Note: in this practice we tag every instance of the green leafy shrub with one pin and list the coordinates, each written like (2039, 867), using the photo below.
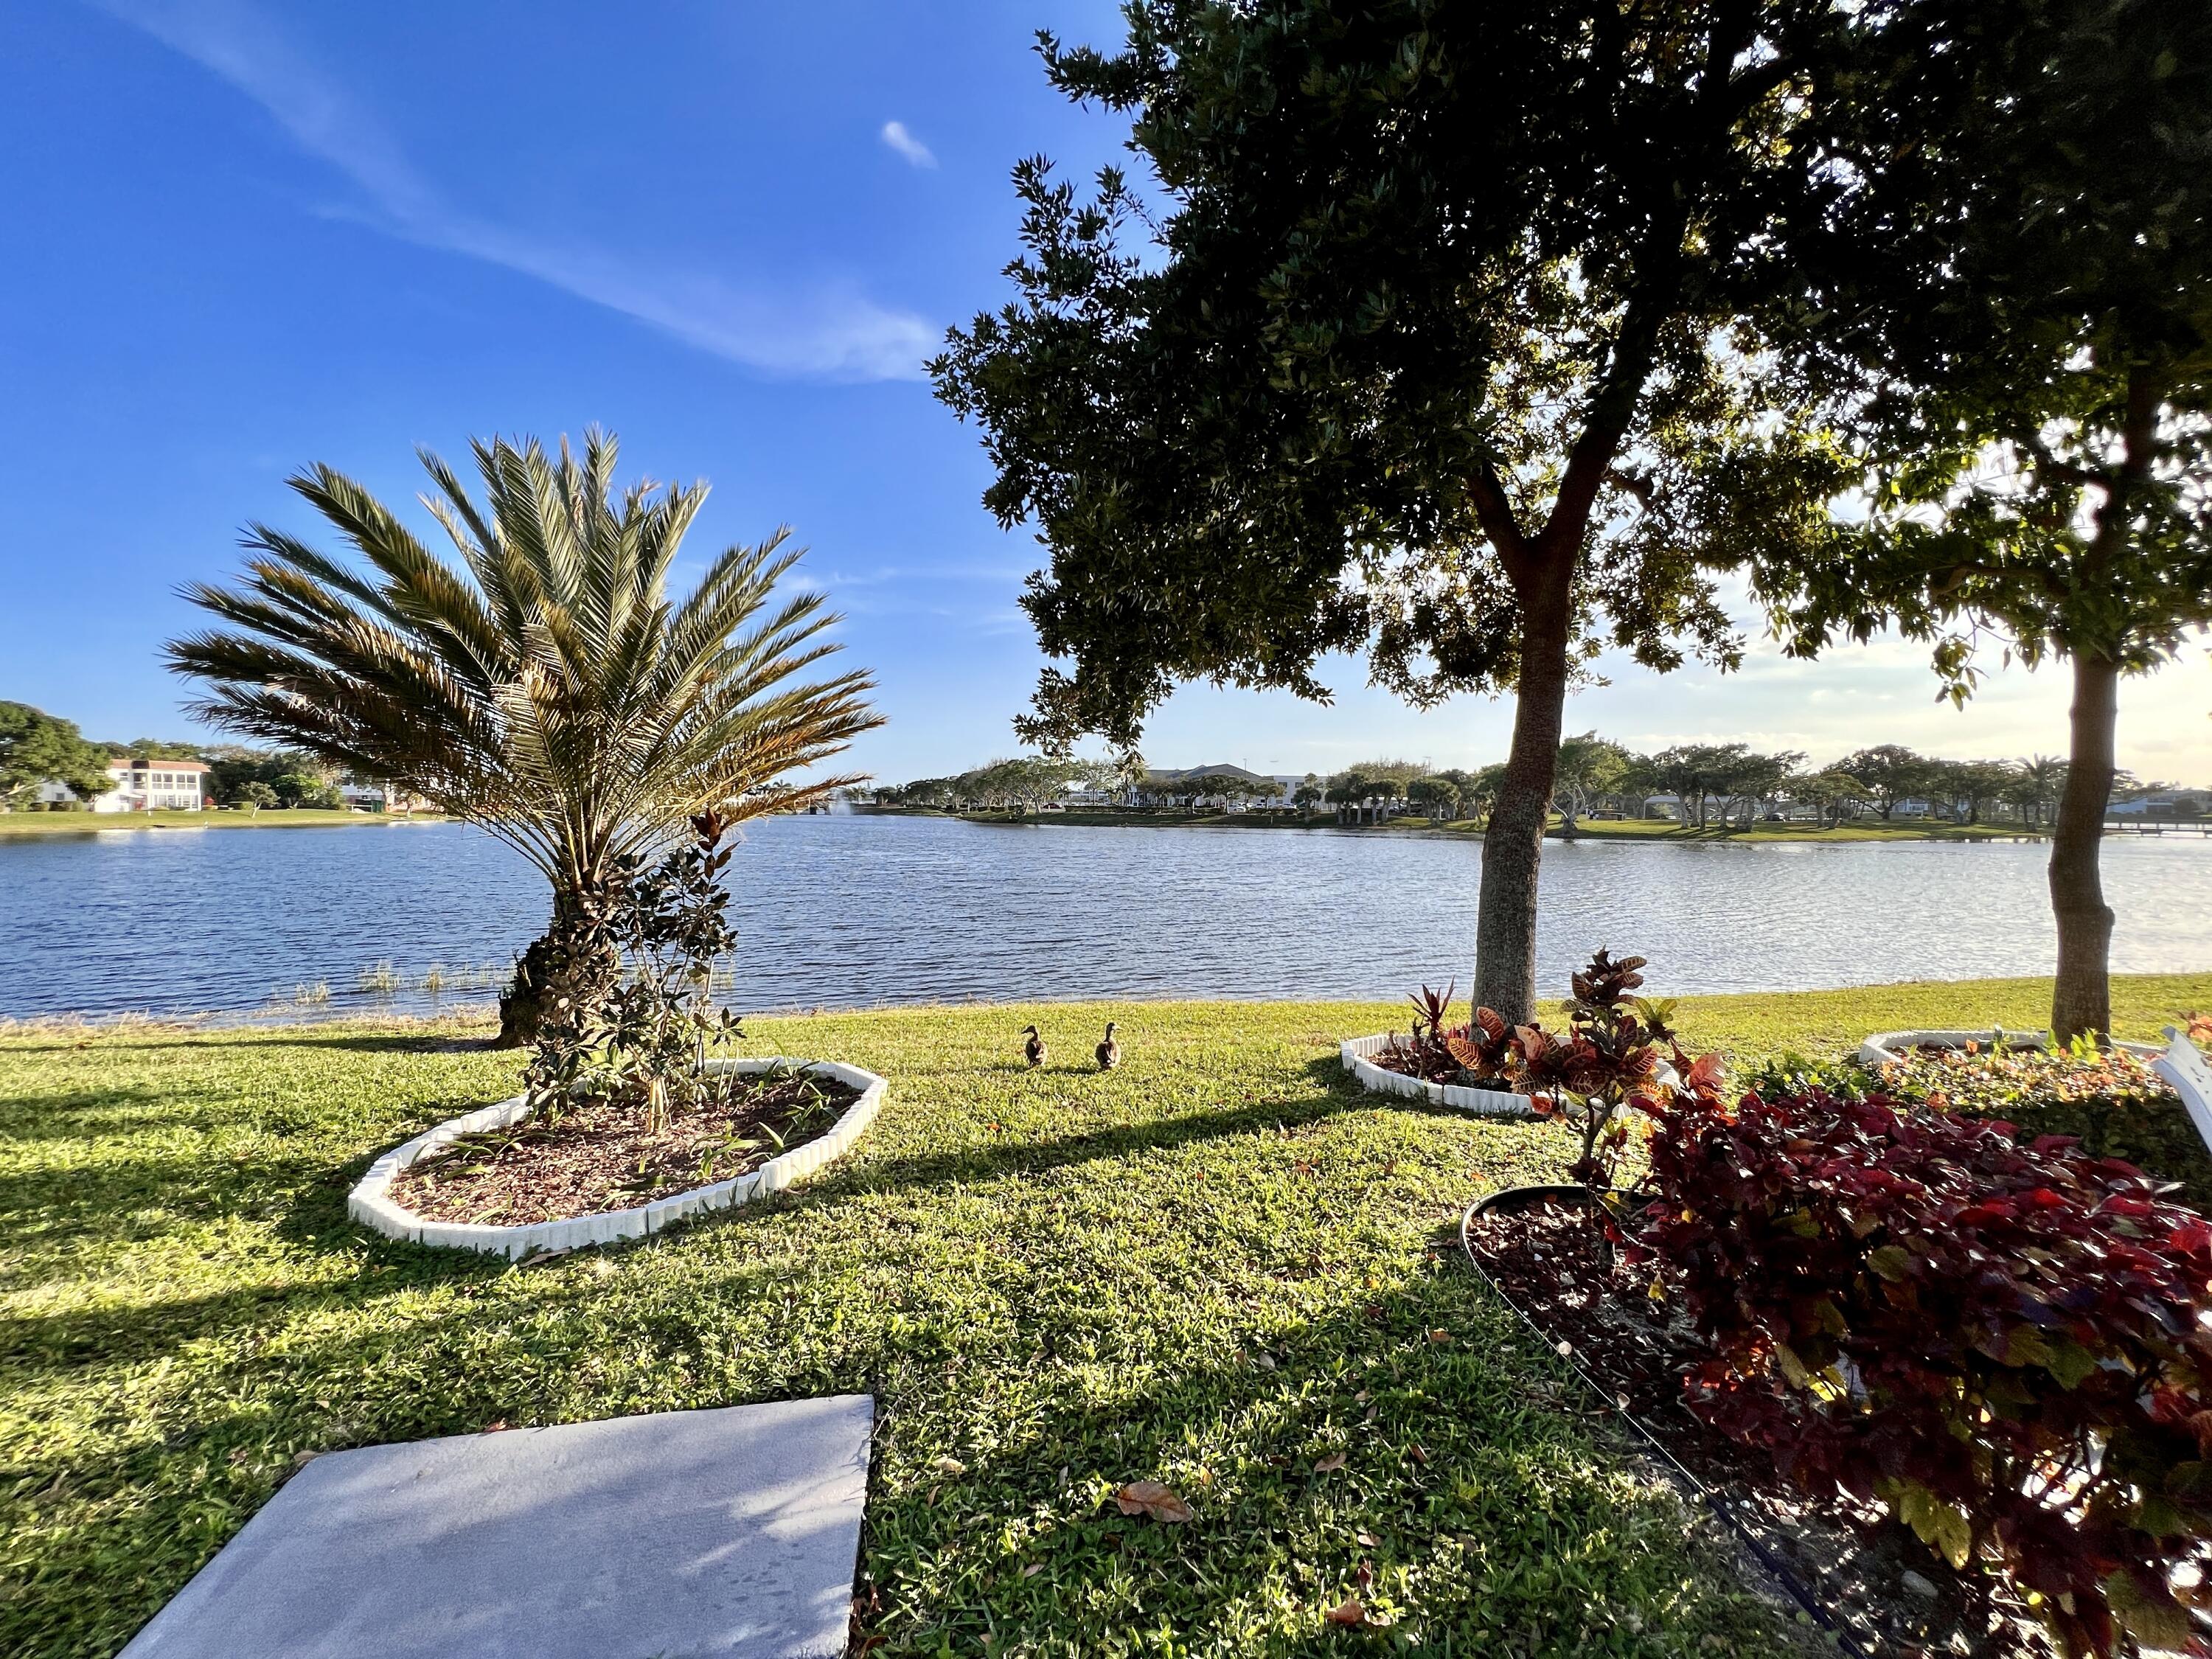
(644, 1044)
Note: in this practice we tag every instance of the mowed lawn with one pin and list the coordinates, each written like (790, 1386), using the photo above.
(1218, 1267)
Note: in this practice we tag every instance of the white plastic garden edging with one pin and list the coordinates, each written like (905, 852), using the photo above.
(1491, 1103)
(1884, 1048)
(371, 1203)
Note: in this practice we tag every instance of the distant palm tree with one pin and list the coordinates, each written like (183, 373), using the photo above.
(545, 687)
(2042, 780)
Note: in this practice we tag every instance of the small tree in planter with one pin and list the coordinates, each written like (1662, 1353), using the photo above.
(1612, 1062)
(645, 1041)
(1606, 1067)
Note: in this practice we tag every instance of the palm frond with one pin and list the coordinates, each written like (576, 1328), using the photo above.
(545, 685)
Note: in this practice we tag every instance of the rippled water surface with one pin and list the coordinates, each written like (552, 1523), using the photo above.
(846, 909)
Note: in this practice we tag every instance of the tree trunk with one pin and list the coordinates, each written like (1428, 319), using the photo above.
(2082, 1001)
(1513, 845)
(571, 958)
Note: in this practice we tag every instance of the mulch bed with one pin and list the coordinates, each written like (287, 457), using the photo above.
(1896, 1597)
(598, 1156)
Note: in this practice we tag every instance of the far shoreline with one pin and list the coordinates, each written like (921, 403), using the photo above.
(269, 817)
(1621, 830)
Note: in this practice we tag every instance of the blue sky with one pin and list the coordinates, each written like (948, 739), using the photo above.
(242, 238)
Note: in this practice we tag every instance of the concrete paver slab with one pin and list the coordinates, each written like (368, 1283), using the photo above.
(730, 1532)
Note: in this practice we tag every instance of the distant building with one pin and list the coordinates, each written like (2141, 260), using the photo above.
(2185, 804)
(366, 795)
(152, 786)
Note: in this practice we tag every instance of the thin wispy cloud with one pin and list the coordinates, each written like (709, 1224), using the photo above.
(896, 134)
(1008, 575)
(831, 332)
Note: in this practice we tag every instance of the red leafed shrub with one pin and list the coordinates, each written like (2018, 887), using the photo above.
(2006, 1345)
(1595, 1075)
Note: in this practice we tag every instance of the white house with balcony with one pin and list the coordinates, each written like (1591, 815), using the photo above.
(154, 786)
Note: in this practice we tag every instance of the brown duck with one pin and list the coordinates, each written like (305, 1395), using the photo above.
(1033, 1050)
(1109, 1052)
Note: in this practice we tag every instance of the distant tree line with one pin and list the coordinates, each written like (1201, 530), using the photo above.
(1727, 783)
(37, 748)
(1711, 784)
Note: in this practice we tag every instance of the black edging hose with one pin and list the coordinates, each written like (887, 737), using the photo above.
(1798, 1591)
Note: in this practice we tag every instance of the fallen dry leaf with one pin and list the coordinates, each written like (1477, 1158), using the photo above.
(1440, 1336)
(1350, 1613)
(951, 1466)
(1033, 1570)
(1151, 1498)
(1420, 1454)
(1330, 1464)
(1366, 1538)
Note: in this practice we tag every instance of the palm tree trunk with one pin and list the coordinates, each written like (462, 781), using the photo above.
(1513, 844)
(573, 960)
(2082, 1001)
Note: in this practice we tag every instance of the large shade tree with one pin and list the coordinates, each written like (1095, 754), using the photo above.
(543, 683)
(37, 748)
(2012, 331)
(1417, 347)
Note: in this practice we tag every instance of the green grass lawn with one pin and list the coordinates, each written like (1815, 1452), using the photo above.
(65, 824)
(1216, 1267)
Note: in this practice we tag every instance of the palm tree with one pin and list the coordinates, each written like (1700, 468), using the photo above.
(546, 687)
(2042, 780)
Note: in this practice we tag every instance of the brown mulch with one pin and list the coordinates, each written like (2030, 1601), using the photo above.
(1897, 1598)
(598, 1156)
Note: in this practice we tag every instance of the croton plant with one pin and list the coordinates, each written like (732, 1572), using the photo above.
(1616, 1064)
(2009, 1344)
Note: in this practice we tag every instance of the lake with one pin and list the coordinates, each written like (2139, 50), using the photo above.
(845, 910)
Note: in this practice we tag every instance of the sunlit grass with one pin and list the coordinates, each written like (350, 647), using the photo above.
(1214, 1267)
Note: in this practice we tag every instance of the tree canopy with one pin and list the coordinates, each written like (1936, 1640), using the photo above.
(2010, 336)
(543, 683)
(36, 748)
(1424, 357)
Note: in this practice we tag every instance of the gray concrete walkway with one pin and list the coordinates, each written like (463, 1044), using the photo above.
(732, 1532)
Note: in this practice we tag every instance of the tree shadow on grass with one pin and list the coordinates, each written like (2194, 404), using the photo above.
(1329, 1074)
(426, 1043)
(1492, 1517)
(86, 1114)
(1042, 1155)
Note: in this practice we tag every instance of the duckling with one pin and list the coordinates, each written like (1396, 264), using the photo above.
(1109, 1052)
(1033, 1050)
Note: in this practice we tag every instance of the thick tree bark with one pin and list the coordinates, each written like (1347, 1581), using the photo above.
(2082, 1001)
(570, 959)
(1513, 845)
